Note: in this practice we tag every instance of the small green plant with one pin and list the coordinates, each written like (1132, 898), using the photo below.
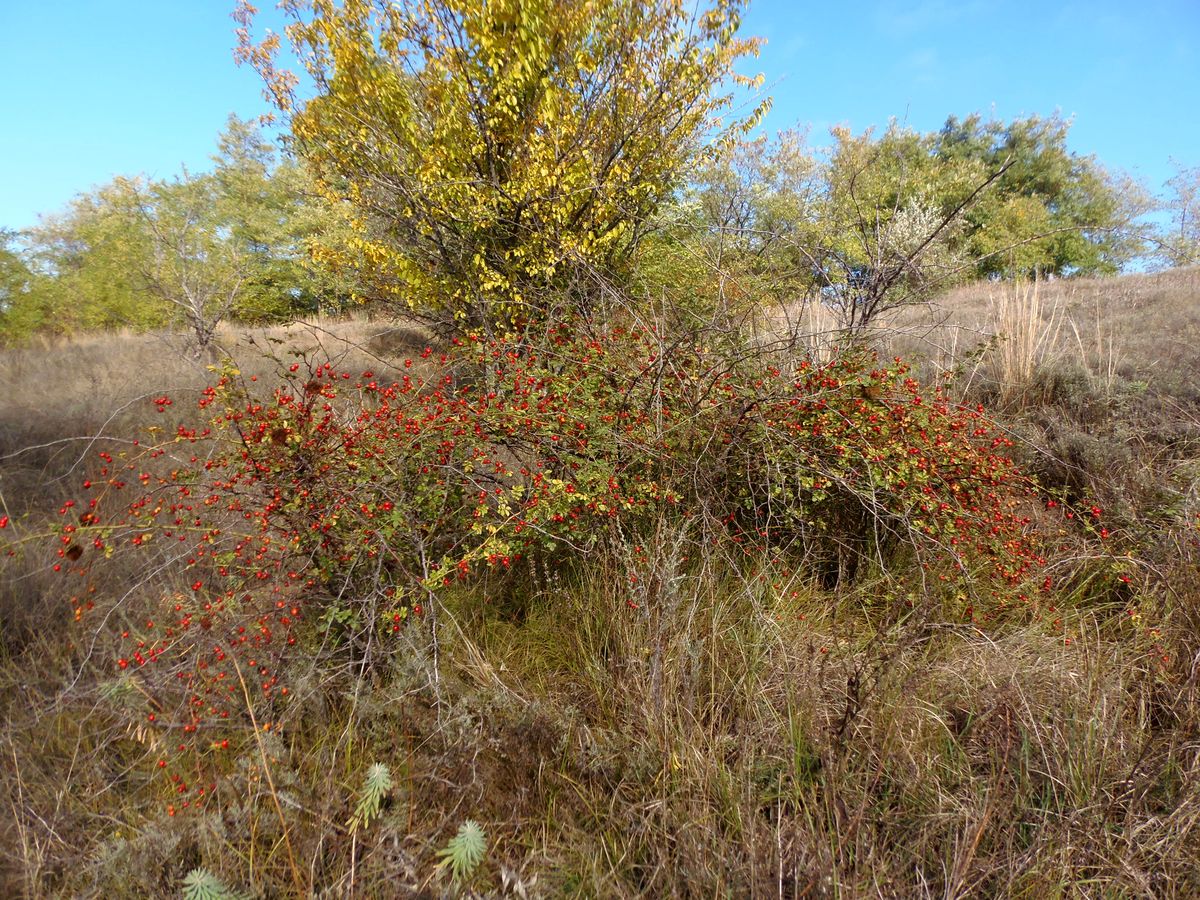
(465, 851)
(200, 884)
(375, 790)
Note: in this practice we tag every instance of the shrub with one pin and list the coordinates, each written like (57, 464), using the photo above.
(320, 520)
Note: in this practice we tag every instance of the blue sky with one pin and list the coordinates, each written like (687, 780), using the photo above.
(96, 88)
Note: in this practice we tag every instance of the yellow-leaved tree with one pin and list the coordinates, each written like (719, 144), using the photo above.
(502, 157)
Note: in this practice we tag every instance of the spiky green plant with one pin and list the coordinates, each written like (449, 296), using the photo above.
(376, 788)
(465, 851)
(200, 884)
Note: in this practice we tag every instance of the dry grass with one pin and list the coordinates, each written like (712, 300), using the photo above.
(1136, 326)
(739, 744)
(1027, 332)
(1096, 378)
(812, 326)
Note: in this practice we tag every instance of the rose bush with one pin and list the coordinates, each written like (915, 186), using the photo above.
(334, 512)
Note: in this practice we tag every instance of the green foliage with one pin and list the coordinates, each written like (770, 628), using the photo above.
(256, 203)
(376, 788)
(19, 314)
(200, 884)
(189, 251)
(1053, 211)
(268, 207)
(464, 852)
(881, 221)
(887, 229)
(757, 211)
(232, 243)
(193, 266)
(501, 157)
(91, 258)
(869, 225)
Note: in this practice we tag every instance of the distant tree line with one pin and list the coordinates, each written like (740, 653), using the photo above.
(187, 252)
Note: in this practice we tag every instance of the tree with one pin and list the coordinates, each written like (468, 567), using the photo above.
(195, 265)
(1179, 242)
(880, 221)
(195, 249)
(868, 226)
(18, 315)
(500, 154)
(1054, 211)
(14, 274)
(890, 221)
(255, 208)
(269, 207)
(88, 258)
(754, 207)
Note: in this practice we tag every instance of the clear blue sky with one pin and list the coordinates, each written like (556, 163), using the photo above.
(95, 88)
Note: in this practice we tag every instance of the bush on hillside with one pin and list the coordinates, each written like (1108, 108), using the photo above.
(320, 521)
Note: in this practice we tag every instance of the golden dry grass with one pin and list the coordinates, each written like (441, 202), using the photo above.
(1137, 326)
